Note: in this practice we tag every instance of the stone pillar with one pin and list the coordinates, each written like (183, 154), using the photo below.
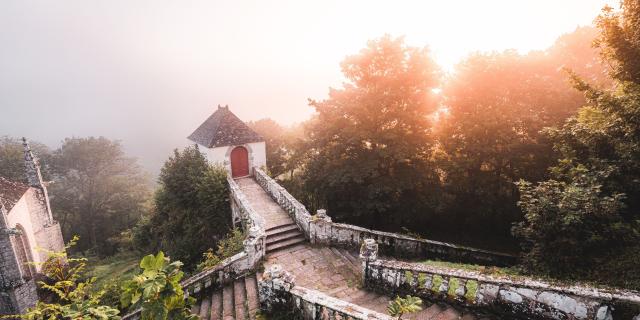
(273, 289)
(320, 228)
(368, 254)
(254, 245)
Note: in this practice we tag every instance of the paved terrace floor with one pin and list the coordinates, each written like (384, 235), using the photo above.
(335, 272)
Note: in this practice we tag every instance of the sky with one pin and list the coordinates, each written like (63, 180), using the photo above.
(149, 72)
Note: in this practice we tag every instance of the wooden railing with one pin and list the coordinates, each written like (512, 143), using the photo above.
(511, 297)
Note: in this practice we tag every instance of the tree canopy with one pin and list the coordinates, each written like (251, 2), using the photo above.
(98, 192)
(369, 147)
(191, 207)
(586, 216)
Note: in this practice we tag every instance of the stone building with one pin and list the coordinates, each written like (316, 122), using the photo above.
(27, 232)
(230, 142)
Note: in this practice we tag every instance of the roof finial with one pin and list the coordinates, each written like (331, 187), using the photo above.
(34, 176)
(226, 106)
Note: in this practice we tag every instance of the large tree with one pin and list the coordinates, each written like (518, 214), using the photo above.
(489, 136)
(192, 210)
(98, 191)
(584, 220)
(370, 144)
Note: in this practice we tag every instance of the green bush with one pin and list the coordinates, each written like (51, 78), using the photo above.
(227, 247)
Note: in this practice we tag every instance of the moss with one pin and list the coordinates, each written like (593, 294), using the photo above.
(437, 281)
(422, 279)
(453, 285)
(496, 271)
(472, 289)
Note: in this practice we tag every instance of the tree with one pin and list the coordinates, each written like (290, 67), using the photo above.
(489, 134)
(594, 186)
(370, 145)
(276, 144)
(191, 206)
(98, 191)
(12, 158)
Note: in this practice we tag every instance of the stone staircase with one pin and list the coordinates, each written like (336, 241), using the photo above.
(283, 237)
(237, 300)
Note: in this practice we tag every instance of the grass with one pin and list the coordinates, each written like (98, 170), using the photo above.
(495, 271)
(118, 267)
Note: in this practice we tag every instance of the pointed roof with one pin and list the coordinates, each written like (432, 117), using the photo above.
(223, 128)
(11, 192)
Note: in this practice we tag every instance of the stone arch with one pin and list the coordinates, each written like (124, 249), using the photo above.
(250, 150)
(24, 254)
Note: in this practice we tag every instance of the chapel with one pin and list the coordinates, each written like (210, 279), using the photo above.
(28, 233)
(228, 141)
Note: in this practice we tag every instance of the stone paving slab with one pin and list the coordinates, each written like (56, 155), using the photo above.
(262, 203)
(332, 273)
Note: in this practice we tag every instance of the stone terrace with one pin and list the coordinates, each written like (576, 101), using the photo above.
(335, 272)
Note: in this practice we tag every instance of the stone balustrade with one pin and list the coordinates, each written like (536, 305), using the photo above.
(280, 195)
(246, 261)
(279, 295)
(319, 229)
(510, 297)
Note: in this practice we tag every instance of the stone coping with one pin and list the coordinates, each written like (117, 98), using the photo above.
(609, 294)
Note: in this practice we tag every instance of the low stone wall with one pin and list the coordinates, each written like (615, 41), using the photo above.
(279, 295)
(320, 229)
(280, 195)
(520, 298)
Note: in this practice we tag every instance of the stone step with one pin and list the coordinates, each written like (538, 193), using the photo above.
(228, 306)
(283, 236)
(216, 305)
(240, 296)
(285, 244)
(251, 287)
(354, 267)
(355, 260)
(281, 229)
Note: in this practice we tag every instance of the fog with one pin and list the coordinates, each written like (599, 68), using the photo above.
(149, 72)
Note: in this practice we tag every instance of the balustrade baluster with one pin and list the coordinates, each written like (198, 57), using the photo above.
(444, 286)
(414, 280)
(461, 290)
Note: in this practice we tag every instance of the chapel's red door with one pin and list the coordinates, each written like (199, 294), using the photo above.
(239, 162)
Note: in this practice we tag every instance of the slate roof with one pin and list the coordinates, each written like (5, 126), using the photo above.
(223, 128)
(11, 192)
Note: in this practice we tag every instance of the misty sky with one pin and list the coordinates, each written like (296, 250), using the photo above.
(149, 72)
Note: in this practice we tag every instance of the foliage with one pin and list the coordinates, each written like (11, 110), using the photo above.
(191, 211)
(98, 192)
(111, 272)
(370, 144)
(586, 216)
(281, 145)
(489, 134)
(12, 158)
(401, 306)
(69, 297)
(157, 290)
(230, 245)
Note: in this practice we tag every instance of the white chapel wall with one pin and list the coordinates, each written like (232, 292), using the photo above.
(222, 155)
